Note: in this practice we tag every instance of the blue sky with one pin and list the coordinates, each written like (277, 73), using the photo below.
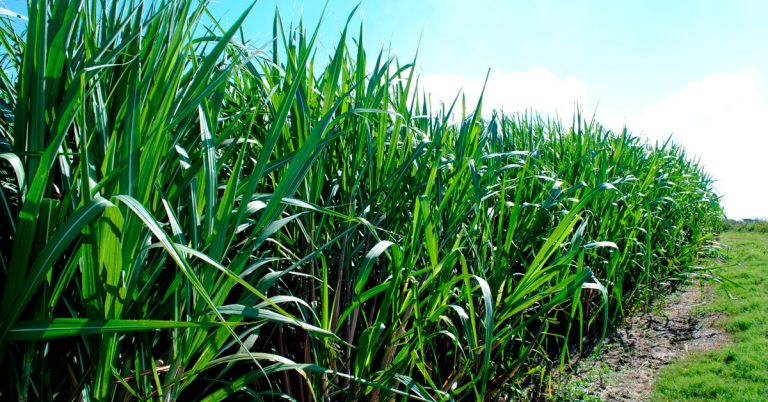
(697, 69)
(644, 48)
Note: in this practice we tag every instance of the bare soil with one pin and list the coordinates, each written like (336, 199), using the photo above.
(631, 357)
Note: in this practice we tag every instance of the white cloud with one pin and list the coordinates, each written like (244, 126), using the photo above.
(537, 89)
(721, 119)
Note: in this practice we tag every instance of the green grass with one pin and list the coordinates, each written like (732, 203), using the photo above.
(738, 371)
(187, 217)
(581, 390)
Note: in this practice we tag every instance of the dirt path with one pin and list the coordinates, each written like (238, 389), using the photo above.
(626, 367)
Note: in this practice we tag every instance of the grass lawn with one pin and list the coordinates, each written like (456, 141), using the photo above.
(739, 371)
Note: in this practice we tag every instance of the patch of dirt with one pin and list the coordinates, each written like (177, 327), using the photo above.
(633, 355)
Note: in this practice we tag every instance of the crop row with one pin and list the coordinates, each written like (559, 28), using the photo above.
(185, 217)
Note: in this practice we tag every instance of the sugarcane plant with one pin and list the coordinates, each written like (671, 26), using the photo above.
(186, 216)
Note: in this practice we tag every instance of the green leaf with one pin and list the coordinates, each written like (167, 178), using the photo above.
(55, 328)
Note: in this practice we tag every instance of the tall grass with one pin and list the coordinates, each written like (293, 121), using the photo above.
(187, 218)
(747, 225)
